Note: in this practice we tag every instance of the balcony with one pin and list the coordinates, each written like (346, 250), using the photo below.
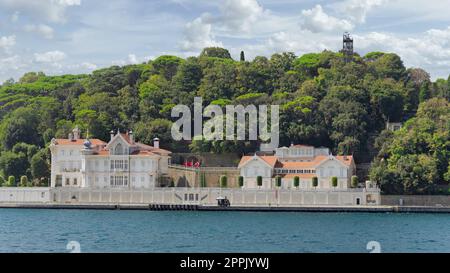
(69, 170)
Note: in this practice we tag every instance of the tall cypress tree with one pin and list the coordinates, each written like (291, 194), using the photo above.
(242, 56)
(424, 92)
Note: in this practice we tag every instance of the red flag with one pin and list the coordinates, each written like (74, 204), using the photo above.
(189, 164)
(197, 164)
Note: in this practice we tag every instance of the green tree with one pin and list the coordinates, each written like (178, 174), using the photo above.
(216, 52)
(223, 181)
(145, 132)
(241, 181)
(354, 181)
(31, 77)
(416, 158)
(20, 126)
(424, 92)
(11, 181)
(13, 164)
(242, 58)
(23, 181)
(167, 65)
(278, 181)
(296, 181)
(334, 181)
(40, 167)
(203, 180)
(315, 181)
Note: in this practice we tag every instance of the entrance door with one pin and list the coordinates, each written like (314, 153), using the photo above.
(358, 201)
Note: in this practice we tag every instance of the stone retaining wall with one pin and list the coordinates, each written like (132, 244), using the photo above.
(415, 200)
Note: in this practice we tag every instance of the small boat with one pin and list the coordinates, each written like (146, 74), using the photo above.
(223, 201)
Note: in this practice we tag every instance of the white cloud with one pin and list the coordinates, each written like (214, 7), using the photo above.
(12, 62)
(357, 10)
(132, 59)
(198, 35)
(53, 57)
(49, 10)
(240, 15)
(429, 50)
(42, 29)
(6, 42)
(88, 66)
(316, 20)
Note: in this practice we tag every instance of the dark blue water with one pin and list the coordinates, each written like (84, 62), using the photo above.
(27, 230)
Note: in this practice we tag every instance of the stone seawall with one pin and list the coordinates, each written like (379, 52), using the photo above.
(415, 200)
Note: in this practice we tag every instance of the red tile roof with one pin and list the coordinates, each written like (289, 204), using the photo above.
(275, 163)
(63, 141)
(269, 159)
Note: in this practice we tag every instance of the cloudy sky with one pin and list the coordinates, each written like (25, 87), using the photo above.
(78, 36)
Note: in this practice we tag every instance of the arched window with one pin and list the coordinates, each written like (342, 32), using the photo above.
(118, 150)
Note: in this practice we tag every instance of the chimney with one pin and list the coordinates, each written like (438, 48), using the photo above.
(112, 134)
(156, 143)
(130, 134)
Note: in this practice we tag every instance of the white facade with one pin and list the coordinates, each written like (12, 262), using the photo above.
(121, 163)
(304, 162)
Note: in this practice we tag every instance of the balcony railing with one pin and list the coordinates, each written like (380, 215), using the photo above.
(70, 170)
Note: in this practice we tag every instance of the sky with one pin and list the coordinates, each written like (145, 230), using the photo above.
(79, 36)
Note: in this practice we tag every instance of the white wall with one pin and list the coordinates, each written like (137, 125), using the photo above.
(24, 195)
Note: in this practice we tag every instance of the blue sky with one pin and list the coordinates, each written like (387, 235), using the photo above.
(78, 36)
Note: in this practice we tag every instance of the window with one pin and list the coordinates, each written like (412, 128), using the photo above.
(118, 150)
(67, 181)
(118, 181)
(75, 182)
(58, 181)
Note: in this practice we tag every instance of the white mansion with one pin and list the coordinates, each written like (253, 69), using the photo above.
(302, 161)
(92, 163)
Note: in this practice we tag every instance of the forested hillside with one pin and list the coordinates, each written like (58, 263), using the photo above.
(323, 102)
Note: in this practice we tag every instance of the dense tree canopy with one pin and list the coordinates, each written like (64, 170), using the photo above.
(323, 101)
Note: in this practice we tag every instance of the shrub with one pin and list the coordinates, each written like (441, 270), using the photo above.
(11, 181)
(223, 181)
(278, 181)
(241, 181)
(315, 181)
(203, 180)
(334, 181)
(23, 181)
(296, 181)
(2, 181)
(259, 180)
(354, 181)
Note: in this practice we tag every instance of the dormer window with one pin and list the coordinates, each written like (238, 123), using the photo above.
(118, 150)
